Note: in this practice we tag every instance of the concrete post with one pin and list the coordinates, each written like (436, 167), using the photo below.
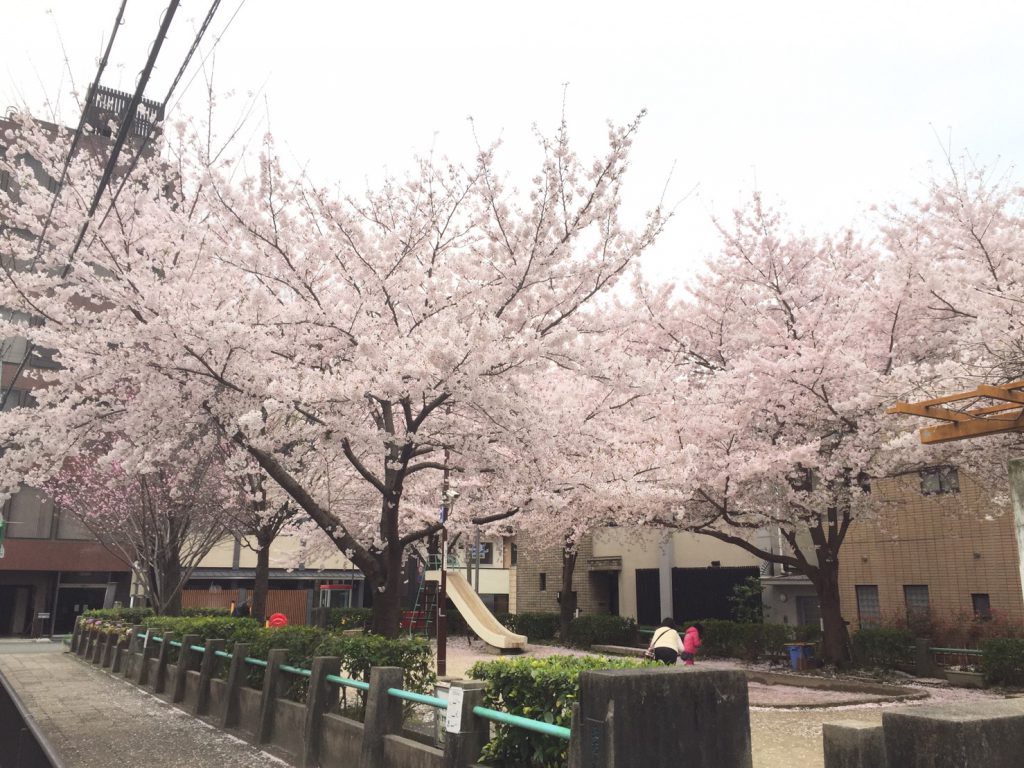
(163, 660)
(120, 655)
(462, 749)
(97, 647)
(319, 698)
(149, 650)
(138, 633)
(383, 715)
(271, 684)
(186, 659)
(976, 735)
(853, 744)
(924, 662)
(75, 634)
(83, 644)
(636, 718)
(108, 650)
(576, 738)
(206, 669)
(236, 679)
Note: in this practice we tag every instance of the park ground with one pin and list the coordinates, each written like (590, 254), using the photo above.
(98, 720)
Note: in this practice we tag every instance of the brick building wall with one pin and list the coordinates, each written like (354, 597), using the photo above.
(954, 542)
(539, 565)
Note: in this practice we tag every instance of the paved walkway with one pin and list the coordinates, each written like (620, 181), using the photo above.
(94, 720)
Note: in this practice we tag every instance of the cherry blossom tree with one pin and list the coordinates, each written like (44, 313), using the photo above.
(162, 521)
(778, 369)
(354, 348)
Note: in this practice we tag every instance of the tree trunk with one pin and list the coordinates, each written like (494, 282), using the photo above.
(170, 589)
(567, 604)
(835, 642)
(387, 605)
(261, 583)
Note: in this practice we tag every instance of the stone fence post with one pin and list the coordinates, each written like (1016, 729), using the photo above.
(637, 718)
(271, 685)
(207, 667)
(319, 698)
(236, 679)
(186, 658)
(163, 661)
(383, 715)
(149, 650)
(462, 749)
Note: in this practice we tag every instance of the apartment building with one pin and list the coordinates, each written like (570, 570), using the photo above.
(52, 569)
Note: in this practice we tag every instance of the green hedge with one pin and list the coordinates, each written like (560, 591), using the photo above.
(195, 612)
(883, 647)
(361, 652)
(601, 629)
(536, 626)
(541, 689)
(739, 640)
(1003, 661)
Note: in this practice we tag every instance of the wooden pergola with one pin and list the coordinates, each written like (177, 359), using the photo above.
(987, 410)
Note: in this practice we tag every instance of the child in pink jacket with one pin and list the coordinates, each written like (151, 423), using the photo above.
(691, 642)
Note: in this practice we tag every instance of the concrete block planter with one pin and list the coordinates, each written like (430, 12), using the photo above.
(963, 679)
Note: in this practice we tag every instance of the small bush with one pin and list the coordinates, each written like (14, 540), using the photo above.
(601, 629)
(350, 618)
(536, 626)
(225, 628)
(884, 648)
(361, 652)
(1003, 661)
(540, 689)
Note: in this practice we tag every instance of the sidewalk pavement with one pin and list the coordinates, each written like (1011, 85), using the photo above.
(94, 720)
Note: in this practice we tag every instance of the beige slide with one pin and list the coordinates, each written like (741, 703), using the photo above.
(473, 610)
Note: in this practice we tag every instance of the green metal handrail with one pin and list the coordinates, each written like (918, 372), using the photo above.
(419, 698)
(176, 643)
(348, 682)
(255, 662)
(958, 651)
(198, 648)
(548, 729)
(222, 654)
(156, 639)
(295, 670)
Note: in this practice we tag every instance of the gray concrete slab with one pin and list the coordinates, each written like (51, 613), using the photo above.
(95, 720)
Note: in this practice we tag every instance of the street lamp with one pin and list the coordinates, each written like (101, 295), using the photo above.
(448, 498)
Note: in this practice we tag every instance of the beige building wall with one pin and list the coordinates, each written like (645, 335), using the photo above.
(957, 544)
(284, 553)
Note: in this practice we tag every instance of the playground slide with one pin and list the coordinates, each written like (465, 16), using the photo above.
(473, 610)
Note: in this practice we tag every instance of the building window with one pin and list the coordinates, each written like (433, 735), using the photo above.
(29, 515)
(70, 527)
(869, 610)
(808, 611)
(484, 554)
(543, 582)
(939, 480)
(916, 597)
(982, 606)
(513, 556)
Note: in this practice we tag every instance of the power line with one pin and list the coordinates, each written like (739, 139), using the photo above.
(124, 128)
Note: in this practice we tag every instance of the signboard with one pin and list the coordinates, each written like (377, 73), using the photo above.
(453, 720)
(43, 615)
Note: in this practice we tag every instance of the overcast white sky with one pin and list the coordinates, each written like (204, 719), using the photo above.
(825, 111)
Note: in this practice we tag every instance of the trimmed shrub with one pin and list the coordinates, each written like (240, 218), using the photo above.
(203, 611)
(884, 648)
(127, 615)
(538, 627)
(742, 641)
(361, 652)
(601, 629)
(541, 689)
(225, 628)
(1003, 661)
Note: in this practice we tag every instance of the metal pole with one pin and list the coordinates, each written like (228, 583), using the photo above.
(476, 556)
(442, 597)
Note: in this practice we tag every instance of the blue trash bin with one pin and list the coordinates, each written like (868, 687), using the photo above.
(795, 652)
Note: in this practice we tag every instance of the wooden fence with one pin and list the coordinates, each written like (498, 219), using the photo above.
(291, 602)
